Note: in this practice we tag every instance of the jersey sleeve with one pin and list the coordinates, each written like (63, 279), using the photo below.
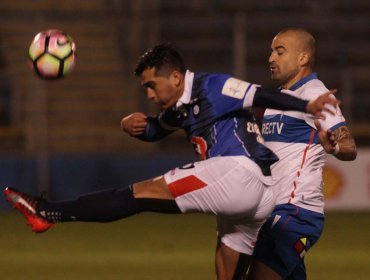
(331, 121)
(158, 127)
(229, 94)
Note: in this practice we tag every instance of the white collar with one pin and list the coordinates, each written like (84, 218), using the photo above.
(186, 95)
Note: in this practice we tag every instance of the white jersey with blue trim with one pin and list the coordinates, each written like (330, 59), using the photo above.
(293, 138)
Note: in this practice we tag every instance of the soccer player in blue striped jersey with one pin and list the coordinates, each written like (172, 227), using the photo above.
(233, 179)
(297, 220)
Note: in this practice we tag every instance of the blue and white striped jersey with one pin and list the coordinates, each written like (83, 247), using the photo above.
(293, 137)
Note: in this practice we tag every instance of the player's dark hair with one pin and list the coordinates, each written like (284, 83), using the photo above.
(164, 58)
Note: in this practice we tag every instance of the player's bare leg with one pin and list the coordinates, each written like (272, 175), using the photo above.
(152, 188)
(260, 271)
(230, 264)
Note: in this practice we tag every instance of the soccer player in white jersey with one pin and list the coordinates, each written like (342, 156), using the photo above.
(232, 180)
(297, 220)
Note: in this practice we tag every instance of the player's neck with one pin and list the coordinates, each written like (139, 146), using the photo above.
(300, 75)
(180, 90)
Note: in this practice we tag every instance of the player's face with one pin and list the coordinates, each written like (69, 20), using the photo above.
(284, 59)
(163, 91)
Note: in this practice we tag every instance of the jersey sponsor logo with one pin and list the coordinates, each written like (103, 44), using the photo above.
(200, 146)
(235, 88)
(272, 128)
(287, 129)
(252, 127)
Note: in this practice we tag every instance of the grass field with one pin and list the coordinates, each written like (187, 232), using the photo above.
(153, 246)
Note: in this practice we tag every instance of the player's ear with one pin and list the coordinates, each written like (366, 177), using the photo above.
(176, 78)
(304, 58)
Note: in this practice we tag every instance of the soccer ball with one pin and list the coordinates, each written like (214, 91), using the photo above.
(52, 54)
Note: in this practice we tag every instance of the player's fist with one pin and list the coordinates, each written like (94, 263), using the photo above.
(326, 138)
(134, 124)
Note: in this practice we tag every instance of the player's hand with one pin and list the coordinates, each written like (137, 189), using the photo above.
(326, 138)
(134, 124)
(323, 103)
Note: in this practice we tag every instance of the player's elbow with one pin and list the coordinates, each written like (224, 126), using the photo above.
(353, 155)
(352, 152)
(348, 155)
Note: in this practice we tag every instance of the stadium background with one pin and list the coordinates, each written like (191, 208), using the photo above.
(63, 137)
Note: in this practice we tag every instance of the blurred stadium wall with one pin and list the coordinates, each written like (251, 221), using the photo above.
(64, 136)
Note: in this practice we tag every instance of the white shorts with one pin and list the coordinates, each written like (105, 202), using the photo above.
(226, 187)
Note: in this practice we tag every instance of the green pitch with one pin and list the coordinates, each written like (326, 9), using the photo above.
(343, 251)
(154, 246)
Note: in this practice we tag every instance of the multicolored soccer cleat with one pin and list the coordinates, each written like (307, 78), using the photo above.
(27, 206)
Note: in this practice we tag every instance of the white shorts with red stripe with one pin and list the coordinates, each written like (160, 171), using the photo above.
(230, 188)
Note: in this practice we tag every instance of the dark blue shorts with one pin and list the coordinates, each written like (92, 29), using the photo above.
(285, 238)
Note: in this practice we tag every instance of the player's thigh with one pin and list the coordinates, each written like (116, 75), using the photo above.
(240, 232)
(230, 264)
(220, 185)
(152, 188)
(260, 271)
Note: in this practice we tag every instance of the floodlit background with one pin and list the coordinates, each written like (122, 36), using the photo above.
(62, 138)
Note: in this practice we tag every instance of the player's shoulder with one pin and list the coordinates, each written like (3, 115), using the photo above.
(312, 89)
(316, 84)
(205, 76)
(212, 82)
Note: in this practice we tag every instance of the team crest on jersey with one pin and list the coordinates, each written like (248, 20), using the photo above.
(196, 110)
(235, 88)
(301, 246)
(200, 146)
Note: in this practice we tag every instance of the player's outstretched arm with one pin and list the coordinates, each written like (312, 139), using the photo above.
(134, 124)
(339, 142)
(144, 127)
(265, 98)
(319, 105)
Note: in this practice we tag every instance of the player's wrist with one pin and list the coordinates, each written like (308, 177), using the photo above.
(310, 107)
